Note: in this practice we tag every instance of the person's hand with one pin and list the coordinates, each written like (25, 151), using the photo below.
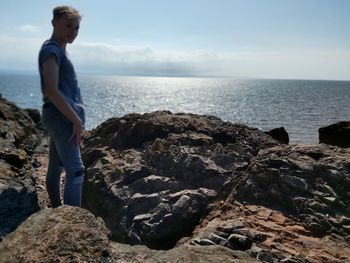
(77, 131)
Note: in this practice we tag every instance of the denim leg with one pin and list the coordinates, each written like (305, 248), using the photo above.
(73, 188)
(53, 176)
(69, 153)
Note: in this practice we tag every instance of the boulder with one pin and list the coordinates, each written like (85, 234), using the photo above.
(152, 177)
(337, 134)
(63, 234)
(279, 134)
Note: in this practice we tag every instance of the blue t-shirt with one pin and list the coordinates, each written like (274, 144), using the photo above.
(67, 81)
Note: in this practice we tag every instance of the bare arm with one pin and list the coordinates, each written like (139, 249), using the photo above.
(50, 74)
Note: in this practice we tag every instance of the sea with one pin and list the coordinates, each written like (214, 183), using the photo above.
(300, 106)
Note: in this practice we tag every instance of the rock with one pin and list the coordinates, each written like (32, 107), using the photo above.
(305, 181)
(267, 235)
(203, 189)
(241, 241)
(337, 134)
(34, 114)
(18, 198)
(279, 134)
(170, 167)
(18, 141)
(16, 121)
(71, 234)
(183, 253)
(63, 234)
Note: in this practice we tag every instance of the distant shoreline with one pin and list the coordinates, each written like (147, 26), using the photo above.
(33, 73)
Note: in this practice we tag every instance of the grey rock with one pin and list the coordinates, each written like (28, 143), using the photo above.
(170, 166)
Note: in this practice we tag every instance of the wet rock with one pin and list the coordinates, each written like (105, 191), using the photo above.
(337, 134)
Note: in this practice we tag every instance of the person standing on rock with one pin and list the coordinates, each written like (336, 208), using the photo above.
(63, 112)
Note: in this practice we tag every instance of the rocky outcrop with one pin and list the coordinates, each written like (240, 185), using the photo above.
(217, 191)
(280, 134)
(152, 177)
(308, 182)
(337, 134)
(18, 129)
(291, 204)
(268, 235)
(18, 141)
(71, 234)
(179, 175)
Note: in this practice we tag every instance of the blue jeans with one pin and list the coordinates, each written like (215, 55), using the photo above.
(63, 154)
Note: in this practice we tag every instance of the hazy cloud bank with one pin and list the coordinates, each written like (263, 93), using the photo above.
(126, 59)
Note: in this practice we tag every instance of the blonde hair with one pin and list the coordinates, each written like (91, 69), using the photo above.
(69, 11)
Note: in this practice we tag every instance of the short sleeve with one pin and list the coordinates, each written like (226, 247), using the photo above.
(47, 51)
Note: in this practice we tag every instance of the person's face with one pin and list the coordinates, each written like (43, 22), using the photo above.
(66, 28)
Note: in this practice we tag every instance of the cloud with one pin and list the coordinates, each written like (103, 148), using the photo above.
(291, 63)
(141, 59)
(287, 62)
(19, 52)
(28, 28)
(130, 59)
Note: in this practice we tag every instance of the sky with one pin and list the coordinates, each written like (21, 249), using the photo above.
(283, 39)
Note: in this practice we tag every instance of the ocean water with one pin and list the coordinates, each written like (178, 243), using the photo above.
(301, 106)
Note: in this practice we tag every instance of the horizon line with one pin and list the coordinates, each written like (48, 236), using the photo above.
(160, 75)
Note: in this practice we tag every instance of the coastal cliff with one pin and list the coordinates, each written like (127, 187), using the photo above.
(163, 187)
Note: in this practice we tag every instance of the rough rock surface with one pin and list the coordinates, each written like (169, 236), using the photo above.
(337, 134)
(123, 253)
(268, 235)
(178, 175)
(70, 234)
(291, 204)
(310, 183)
(152, 177)
(18, 140)
(64, 234)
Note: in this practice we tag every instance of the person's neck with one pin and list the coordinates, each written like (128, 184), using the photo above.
(61, 43)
